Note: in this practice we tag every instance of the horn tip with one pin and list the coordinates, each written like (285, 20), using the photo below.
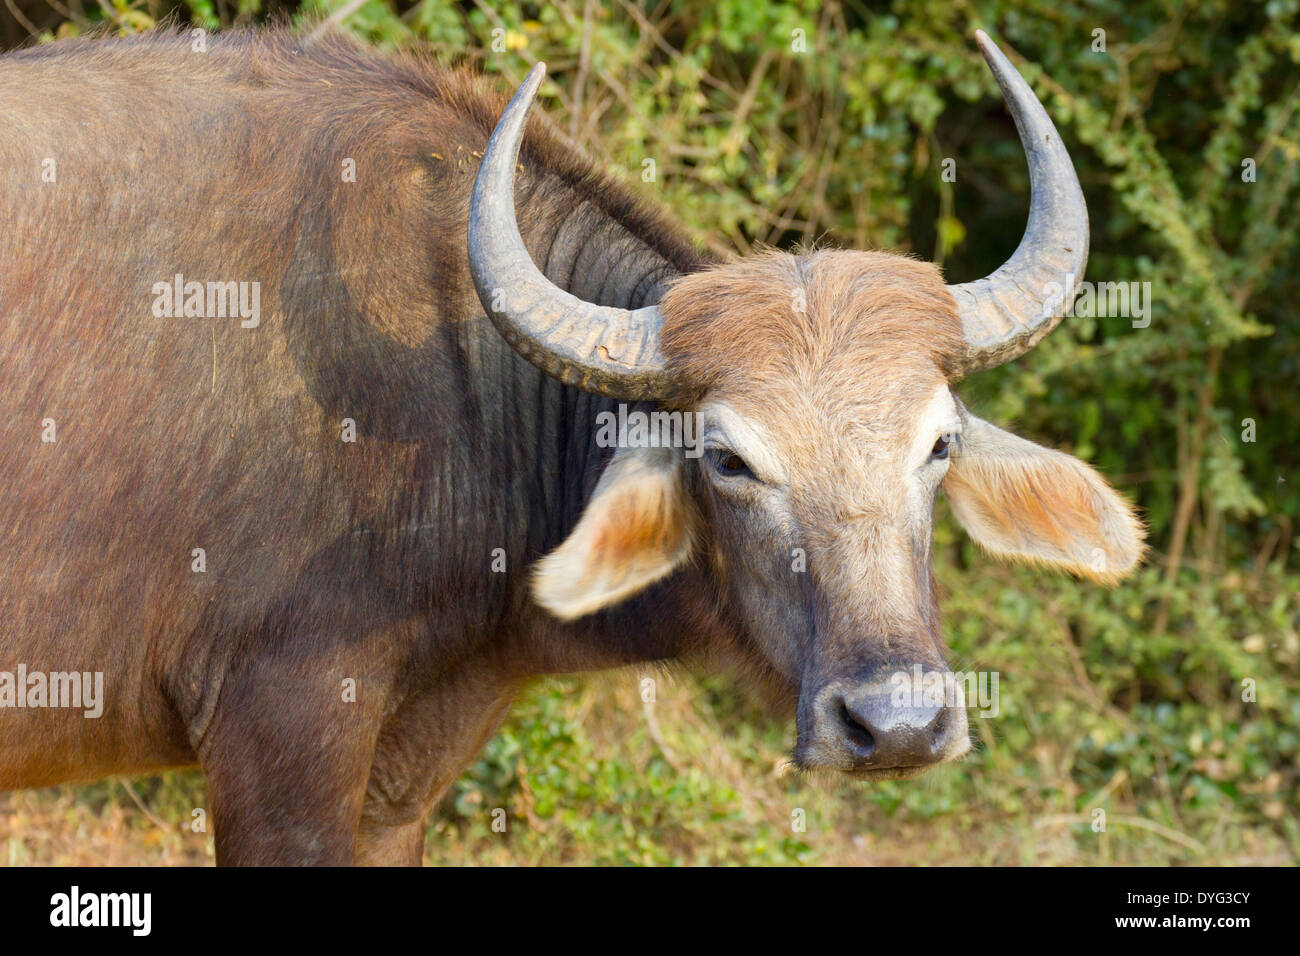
(986, 45)
(527, 91)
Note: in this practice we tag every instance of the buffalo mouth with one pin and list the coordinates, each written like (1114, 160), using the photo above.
(891, 773)
(868, 773)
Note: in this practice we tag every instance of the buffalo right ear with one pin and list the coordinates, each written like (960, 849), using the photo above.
(638, 528)
(1022, 501)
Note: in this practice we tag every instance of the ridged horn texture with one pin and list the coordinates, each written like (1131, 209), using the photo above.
(610, 351)
(1007, 313)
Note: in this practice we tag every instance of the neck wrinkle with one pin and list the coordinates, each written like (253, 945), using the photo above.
(596, 259)
(588, 253)
(583, 250)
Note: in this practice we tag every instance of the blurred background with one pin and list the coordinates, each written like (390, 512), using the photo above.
(1170, 702)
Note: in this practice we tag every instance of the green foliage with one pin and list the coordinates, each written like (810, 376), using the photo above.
(577, 804)
(793, 121)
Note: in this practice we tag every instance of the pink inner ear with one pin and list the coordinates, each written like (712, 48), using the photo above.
(1054, 507)
(636, 529)
(1024, 501)
(638, 520)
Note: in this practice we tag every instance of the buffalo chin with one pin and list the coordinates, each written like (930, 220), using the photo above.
(808, 767)
(890, 773)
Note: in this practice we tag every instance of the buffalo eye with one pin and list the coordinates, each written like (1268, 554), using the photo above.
(729, 464)
(940, 450)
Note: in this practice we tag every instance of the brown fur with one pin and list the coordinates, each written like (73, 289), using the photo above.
(182, 433)
(738, 324)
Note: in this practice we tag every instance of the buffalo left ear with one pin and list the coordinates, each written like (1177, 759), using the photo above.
(638, 527)
(1020, 500)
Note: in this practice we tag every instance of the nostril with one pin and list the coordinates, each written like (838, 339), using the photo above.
(857, 731)
(939, 730)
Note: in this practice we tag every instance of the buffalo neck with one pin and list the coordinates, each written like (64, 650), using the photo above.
(543, 456)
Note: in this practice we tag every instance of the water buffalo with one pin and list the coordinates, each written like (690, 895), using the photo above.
(305, 356)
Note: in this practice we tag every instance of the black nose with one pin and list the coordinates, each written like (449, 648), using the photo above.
(880, 732)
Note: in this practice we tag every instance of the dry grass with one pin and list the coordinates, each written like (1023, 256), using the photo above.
(847, 825)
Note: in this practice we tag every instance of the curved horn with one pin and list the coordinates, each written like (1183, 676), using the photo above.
(1007, 313)
(610, 351)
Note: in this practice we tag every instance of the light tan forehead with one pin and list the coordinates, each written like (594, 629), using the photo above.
(856, 327)
(787, 434)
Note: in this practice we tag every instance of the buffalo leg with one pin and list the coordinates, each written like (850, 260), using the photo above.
(390, 845)
(459, 715)
(287, 759)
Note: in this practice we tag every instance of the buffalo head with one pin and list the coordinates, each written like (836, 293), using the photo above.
(822, 385)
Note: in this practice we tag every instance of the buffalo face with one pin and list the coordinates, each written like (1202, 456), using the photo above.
(821, 385)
